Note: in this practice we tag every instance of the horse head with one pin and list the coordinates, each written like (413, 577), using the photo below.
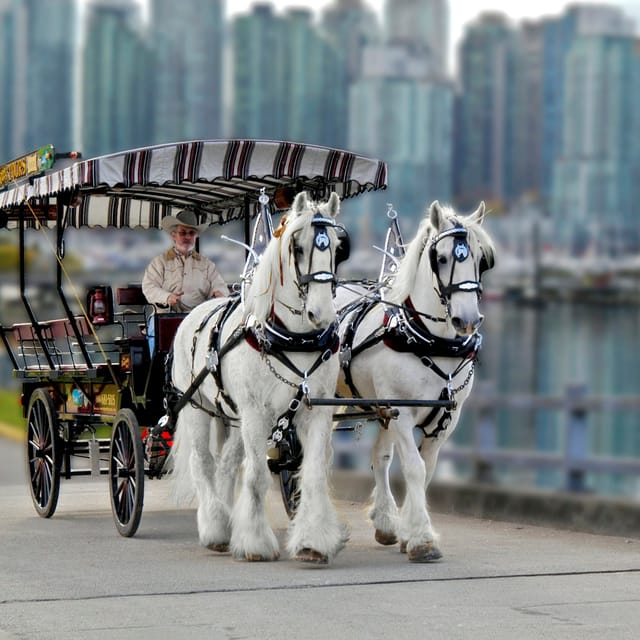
(442, 269)
(459, 251)
(295, 278)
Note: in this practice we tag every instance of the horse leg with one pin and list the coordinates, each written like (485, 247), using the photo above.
(416, 533)
(316, 535)
(252, 537)
(212, 515)
(231, 453)
(384, 511)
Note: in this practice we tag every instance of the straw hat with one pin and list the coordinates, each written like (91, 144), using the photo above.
(186, 218)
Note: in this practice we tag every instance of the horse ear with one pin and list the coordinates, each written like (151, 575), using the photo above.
(332, 207)
(478, 215)
(436, 215)
(301, 203)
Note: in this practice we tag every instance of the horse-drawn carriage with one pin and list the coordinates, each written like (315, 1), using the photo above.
(264, 360)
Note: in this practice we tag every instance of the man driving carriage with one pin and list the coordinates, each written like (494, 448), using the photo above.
(181, 278)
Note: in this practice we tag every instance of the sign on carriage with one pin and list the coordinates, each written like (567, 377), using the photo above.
(29, 165)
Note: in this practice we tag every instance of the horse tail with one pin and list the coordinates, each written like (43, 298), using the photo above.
(181, 485)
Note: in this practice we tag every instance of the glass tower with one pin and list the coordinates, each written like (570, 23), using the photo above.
(188, 44)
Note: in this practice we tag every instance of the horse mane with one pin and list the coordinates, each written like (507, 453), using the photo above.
(261, 294)
(405, 278)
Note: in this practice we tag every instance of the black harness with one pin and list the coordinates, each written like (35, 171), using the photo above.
(271, 338)
(403, 330)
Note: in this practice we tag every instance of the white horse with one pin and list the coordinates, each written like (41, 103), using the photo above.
(418, 343)
(265, 359)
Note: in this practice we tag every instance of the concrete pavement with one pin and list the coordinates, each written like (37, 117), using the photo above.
(74, 577)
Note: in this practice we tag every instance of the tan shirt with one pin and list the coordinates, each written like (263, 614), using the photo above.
(170, 272)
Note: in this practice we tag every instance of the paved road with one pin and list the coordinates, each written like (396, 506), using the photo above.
(73, 577)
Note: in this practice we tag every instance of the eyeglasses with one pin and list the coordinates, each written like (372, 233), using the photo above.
(182, 234)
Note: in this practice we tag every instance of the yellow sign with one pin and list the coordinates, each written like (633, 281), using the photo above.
(31, 164)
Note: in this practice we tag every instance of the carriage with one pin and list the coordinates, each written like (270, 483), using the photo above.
(94, 368)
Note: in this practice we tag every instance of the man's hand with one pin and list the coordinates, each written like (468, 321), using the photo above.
(174, 298)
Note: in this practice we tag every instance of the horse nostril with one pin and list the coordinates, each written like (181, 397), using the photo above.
(457, 323)
(312, 317)
(466, 328)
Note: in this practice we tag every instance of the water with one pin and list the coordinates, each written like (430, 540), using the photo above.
(545, 351)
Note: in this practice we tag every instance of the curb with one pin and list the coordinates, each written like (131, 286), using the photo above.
(575, 512)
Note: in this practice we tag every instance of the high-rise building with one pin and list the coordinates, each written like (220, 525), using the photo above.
(351, 25)
(317, 84)
(487, 113)
(259, 84)
(595, 180)
(115, 90)
(528, 106)
(288, 80)
(188, 44)
(559, 35)
(401, 113)
(12, 99)
(50, 48)
(422, 27)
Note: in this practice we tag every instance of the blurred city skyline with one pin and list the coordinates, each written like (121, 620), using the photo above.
(539, 113)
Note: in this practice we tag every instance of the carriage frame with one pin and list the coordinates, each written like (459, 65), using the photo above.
(94, 369)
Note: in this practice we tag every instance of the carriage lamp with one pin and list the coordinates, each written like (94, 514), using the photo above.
(99, 305)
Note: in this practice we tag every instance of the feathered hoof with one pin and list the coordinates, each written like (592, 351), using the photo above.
(311, 556)
(219, 547)
(427, 552)
(258, 557)
(384, 538)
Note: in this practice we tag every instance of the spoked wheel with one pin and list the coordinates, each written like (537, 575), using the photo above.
(290, 452)
(43, 453)
(126, 473)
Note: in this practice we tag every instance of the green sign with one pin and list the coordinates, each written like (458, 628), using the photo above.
(32, 164)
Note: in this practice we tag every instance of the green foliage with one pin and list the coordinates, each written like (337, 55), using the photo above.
(10, 409)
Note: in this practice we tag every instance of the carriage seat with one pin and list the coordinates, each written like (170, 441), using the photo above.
(131, 295)
(165, 327)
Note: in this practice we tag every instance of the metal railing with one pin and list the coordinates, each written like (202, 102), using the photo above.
(574, 458)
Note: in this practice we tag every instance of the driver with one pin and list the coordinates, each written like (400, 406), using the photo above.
(180, 278)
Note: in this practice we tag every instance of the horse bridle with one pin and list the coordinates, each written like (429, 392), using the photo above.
(461, 251)
(321, 242)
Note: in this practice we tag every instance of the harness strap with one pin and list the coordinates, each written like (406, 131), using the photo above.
(347, 351)
(444, 421)
(217, 351)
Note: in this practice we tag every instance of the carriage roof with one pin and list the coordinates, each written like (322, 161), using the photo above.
(220, 180)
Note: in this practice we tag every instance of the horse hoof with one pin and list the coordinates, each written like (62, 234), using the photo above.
(403, 546)
(384, 538)
(311, 556)
(258, 557)
(427, 552)
(219, 547)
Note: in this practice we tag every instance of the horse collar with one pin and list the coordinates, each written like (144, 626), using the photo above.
(406, 334)
(274, 337)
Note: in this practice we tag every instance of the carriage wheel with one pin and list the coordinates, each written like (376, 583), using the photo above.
(126, 473)
(291, 453)
(43, 453)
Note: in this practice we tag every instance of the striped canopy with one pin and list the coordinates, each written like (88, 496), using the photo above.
(219, 180)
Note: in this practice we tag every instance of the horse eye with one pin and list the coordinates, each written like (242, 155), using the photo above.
(297, 251)
(442, 259)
